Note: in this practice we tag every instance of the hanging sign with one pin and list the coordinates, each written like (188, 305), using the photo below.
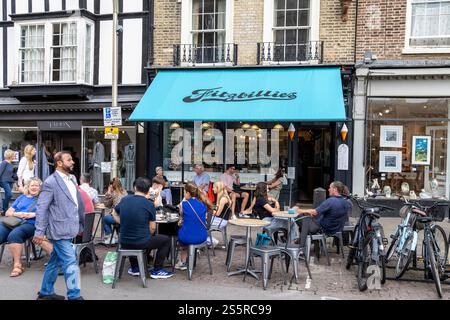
(105, 167)
(112, 116)
(111, 133)
(343, 157)
(291, 173)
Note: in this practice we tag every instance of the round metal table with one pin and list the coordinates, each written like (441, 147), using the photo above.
(248, 223)
(290, 217)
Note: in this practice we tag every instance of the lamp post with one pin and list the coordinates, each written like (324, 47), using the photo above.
(291, 132)
(114, 85)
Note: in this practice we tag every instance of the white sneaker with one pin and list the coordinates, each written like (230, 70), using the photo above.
(107, 240)
(181, 265)
(215, 242)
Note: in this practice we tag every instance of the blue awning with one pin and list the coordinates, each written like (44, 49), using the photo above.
(260, 94)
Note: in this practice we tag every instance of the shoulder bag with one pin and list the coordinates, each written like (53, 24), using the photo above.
(197, 215)
(12, 222)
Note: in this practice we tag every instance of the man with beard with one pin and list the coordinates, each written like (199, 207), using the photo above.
(60, 215)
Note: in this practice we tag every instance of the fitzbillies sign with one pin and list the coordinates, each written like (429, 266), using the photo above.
(217, 94)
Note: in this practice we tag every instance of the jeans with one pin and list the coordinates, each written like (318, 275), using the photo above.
(167, 194)
(308, 226)
(63, 254)
(217, 223)
(108, 222)
(17, 235)
(281, 223)
(7, 186)
(158, 241)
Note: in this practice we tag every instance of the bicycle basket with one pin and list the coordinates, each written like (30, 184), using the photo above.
(438, 213)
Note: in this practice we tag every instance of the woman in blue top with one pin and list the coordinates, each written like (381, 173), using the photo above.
(24, 208)
(193, 218)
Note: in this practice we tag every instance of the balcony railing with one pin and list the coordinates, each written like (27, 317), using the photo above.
(192, 54)
(290, 52)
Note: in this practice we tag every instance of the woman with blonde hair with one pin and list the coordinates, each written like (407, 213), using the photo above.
(26, 166)
(23, 208)
(6, 177)
(223, 206)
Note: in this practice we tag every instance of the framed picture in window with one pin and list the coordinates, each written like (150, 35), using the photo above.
(391, 136)
(390, 161)
(421, 150)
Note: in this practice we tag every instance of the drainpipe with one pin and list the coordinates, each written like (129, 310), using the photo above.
(152, 31)
(356, 31)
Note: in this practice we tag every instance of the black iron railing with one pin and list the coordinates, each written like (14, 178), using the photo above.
(193, 54)
(290, 52)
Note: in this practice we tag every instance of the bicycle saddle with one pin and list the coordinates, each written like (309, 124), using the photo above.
(419, 212)
(424, 219)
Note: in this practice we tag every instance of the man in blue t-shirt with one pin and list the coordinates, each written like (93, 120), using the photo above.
(331, 214)
(136, 216)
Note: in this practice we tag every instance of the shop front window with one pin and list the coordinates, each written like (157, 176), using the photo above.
(257, 150)
(97, 157)
(407, 149)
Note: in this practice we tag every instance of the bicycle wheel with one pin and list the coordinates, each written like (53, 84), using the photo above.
(364, 260)
(392, 247)
(441, 246)
(434, 268)
(404, 258)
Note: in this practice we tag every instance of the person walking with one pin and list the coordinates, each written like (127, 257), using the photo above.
(60, 215)
(6, 177)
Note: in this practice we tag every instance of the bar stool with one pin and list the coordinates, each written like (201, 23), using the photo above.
(268, 254)
(141, 256)
(235, 240)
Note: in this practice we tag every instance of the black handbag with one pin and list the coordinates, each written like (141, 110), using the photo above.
(11, 222)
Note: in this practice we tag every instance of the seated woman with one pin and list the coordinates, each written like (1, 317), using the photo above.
(264, 210)
(113, 196)
(223, 208)
(276, 184)
(166, 193)
(24, 208)
(193, 228)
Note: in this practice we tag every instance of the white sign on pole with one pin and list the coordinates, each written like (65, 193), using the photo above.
(343, 157)
(112, 116)
(291, 173)
(105, 167)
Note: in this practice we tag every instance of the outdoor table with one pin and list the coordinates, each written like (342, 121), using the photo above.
(172, 247)
(284, 215)
(248, 223)
(249, 188)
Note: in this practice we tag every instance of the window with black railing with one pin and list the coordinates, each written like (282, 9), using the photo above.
(311, 51)
(225, 53)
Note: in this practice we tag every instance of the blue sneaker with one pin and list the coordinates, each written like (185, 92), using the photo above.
(133, 271)
(160, 274)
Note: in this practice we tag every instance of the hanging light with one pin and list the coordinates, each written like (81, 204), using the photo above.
(278, 126)
(291, 131)
(206, 125)
(174, 126)
(255, 127)
(245, 126)
(344, 131)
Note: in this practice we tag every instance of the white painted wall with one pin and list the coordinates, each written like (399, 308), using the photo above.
(132, 6)
(38, 6)
(22, 6)
(105, 61)
(72, 4)
(55, 5)
(11, 54)
(106, 6)
(8, 11)
(1, 62)
(132, 51)
(90, 5)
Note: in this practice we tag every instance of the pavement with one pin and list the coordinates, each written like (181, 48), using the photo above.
(327, 283)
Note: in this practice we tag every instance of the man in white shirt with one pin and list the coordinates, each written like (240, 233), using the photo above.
(85, 181)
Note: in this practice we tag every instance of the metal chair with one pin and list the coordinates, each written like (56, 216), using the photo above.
(222, 230)
(322, 239)
(87, 240)
(293, 252)
(141, 256)
(235, 240)
(273, 232)
(28, 248)
(267, 254)
(192, 257)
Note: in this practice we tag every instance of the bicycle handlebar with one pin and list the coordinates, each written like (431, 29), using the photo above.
(362, 207)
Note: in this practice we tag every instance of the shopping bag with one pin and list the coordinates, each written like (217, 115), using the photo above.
(109, 267)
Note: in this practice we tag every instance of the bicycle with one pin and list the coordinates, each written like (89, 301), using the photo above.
(404, 240)
(368, 244)
(434, 250)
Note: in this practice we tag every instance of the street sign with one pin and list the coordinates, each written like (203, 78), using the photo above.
(112, 116)
(111, 133)
(291, 173)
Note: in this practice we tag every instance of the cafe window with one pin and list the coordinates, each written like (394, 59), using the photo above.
(97, 157)
(407, 146)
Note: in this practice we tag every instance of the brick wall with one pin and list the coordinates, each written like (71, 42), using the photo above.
(338, 36)
(167, 30)
(248, 28)
(381, 28)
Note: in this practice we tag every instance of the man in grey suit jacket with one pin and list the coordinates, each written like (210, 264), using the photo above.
(60, 215)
